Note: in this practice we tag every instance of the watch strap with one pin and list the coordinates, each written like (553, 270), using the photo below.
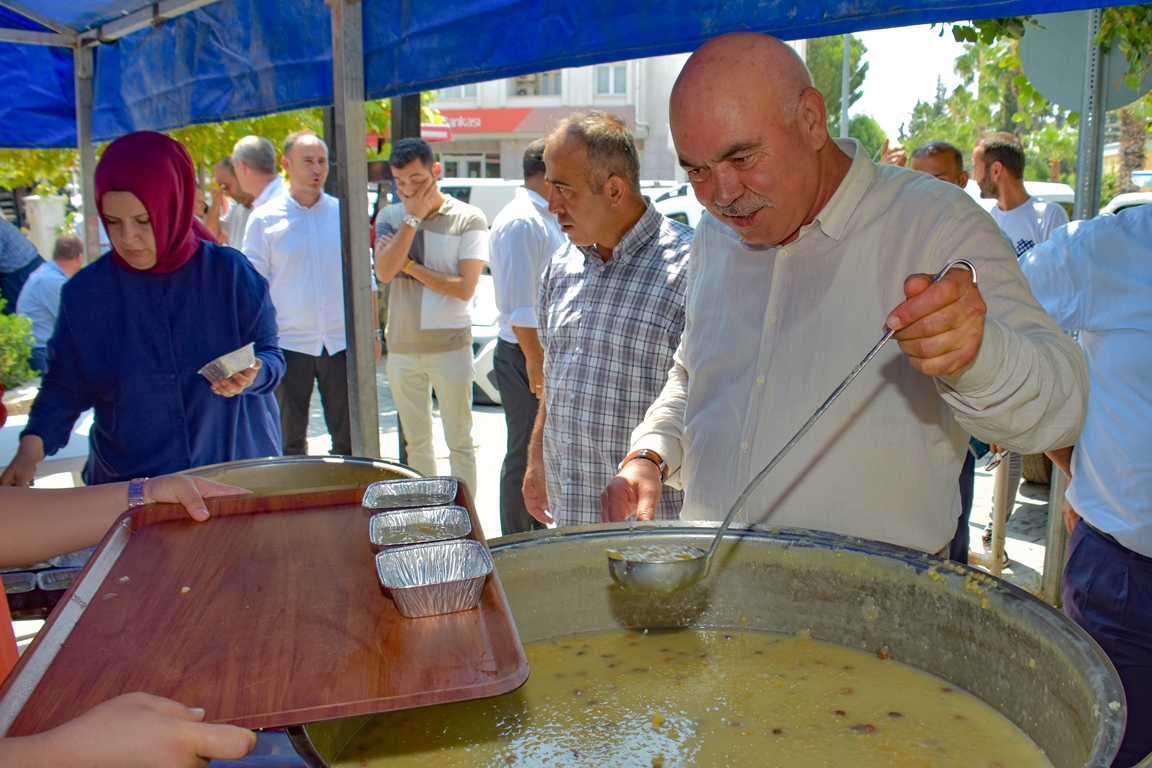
(650, 455)
(136, 497)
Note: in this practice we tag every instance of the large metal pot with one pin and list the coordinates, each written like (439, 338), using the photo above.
(296, 473)
(1013, 651)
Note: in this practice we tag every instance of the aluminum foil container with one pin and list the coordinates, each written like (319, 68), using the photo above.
(33, 567)
(413, 526)
(434, 578)
(15, 583)
(73, 559)
(227, 366)
(414, 492)
(59, 578)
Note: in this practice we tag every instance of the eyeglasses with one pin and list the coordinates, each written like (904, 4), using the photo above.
(995, 461)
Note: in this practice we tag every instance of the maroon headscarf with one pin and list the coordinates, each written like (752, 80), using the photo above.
(159, 171)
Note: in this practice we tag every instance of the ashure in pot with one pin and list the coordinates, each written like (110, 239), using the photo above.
(1013, 651)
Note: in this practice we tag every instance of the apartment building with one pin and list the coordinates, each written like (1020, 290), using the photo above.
(493, 122)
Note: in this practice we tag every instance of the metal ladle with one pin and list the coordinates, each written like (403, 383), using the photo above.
(689, 565)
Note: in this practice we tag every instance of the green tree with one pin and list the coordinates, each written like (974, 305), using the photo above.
(825, 60)
(868, 132)
(207, 142)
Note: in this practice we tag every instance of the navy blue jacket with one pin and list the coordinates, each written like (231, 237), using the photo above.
(128, 344)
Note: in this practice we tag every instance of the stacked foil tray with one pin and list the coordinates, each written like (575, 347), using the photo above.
(426, 564)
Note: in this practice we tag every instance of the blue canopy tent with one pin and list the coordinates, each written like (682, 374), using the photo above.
(160, 66)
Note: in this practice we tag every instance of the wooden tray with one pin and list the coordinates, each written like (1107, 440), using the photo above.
(268, 614)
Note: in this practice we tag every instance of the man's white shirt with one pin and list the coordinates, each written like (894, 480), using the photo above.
(297, 250)
(523, 238)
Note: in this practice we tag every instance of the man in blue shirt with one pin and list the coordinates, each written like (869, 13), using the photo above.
(18, 260)
(40, 299)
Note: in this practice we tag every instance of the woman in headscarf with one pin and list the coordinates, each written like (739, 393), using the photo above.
(136, 326)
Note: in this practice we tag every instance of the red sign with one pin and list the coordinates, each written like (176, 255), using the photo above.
(535, 120)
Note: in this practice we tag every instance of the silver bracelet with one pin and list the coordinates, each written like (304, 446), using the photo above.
(136, 497)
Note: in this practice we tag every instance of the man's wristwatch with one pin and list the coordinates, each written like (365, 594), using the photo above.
(379, 335)
(652, 456)
(413, 222)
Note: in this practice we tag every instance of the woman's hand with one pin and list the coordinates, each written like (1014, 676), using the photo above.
(22, 468)
(239, 382)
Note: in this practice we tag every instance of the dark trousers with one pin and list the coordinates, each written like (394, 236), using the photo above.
(1108, 592)
(12, 282)
(294, 395)
(520, 407)
(958, 548)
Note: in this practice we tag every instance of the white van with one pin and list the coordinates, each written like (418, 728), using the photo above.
(489, 195)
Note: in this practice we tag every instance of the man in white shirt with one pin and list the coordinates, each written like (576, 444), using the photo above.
(998, 167)
(228, 227)
(1095, 276)
(254, 162)
(431, 248)
(792, 279)
(523, 237)
(40, 298)
(294, 242)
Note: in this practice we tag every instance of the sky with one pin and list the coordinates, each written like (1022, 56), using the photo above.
(903, 65)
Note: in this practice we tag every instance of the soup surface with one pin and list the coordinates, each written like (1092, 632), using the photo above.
(703, 698)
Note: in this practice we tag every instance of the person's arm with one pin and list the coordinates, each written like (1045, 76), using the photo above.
(1010, 376)
(212, 219)
(533, 351)
(461, 286)
(130, 731)
(391, 248)
(392, 254)
(1062, 457)
(39, 523)
(63, 396)
(256, 317)
(535, 484)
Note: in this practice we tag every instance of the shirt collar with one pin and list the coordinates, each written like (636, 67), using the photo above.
(646, 228)
(53, 265)
(272, 189)
(534, 198)
(833, 217)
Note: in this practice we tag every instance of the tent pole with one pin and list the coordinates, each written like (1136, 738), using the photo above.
(84, 59)
(1091, 149)
(350, 129)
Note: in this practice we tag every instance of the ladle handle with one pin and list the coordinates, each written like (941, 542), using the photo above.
(820, 412)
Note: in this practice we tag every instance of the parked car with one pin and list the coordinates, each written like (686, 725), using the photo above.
(489, 195)
(484, 334)
(1053, 192)
(1127, 200)
(681, 204)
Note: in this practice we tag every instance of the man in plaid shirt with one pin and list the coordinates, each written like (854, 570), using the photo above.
(611, 315)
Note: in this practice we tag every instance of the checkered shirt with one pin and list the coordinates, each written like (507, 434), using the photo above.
(609, 329)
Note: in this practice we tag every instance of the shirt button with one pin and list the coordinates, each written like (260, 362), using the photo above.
(171, 375)
(771, 318)
(743, 446)
(783, 251)
(759, 379)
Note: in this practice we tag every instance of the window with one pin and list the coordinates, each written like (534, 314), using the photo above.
(539, 84)
(611, 79)
(457, 92)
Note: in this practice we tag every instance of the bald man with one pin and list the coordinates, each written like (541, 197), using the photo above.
(810, 250)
